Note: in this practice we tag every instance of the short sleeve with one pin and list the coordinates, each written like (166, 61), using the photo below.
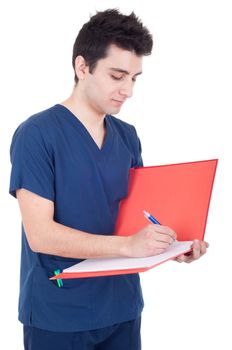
(32, 162)
(138, 152)
(139, 162)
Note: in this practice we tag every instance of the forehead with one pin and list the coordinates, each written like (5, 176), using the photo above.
(123, 59)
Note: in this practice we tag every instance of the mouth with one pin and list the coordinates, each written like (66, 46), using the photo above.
(119, 102)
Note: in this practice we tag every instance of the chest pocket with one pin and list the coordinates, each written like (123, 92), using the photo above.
(115, 175)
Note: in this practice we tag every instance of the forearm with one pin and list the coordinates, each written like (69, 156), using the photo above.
(46, 236)
(56, 239)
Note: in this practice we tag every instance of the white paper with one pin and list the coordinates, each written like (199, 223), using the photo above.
(93, 265)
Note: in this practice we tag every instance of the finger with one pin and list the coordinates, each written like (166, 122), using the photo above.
(199, 248)
(163, 230)
(162, 237)
(170, 232)
(196, 250)
(160, 244)
(181, 258)
(205, 245)
(159, 251)
(203, 248)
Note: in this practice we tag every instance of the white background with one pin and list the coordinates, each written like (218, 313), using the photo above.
(181, 109)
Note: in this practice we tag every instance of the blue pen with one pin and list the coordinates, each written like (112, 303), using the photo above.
(150, 217)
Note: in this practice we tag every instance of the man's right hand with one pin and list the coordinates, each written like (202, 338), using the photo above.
(151, 240)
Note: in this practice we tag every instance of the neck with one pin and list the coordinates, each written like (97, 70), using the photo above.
(79, 106)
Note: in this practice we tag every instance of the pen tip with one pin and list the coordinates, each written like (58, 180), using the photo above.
(145, 213)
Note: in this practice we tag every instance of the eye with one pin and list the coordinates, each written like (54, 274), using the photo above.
(116, 78)
(121, 78)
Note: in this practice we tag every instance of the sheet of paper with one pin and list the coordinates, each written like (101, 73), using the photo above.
(105, 264)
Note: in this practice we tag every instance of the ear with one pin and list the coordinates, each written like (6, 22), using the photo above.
(81, 68)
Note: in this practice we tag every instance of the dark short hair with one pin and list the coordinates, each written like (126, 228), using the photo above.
(111, 27)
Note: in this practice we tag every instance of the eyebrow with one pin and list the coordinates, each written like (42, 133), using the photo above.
(119, 70)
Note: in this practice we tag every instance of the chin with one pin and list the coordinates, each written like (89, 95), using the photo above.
(114, 110)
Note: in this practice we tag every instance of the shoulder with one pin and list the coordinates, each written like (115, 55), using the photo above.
(39, 123)
(40, 120)
(35, 130)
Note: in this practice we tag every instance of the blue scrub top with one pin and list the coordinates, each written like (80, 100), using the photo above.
(54, 156)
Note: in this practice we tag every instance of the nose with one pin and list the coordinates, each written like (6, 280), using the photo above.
(126, 89)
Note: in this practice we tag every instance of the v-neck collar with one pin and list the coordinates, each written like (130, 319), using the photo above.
(109, 135)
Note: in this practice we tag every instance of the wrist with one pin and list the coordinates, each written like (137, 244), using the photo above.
(125, 246)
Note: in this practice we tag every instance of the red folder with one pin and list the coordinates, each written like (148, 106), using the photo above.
(177, 195)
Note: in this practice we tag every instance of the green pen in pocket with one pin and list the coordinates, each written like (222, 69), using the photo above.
(59, 280)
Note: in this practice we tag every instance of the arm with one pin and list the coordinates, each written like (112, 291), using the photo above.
(46, 236)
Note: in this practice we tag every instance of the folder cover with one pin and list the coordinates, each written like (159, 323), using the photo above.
(177, 195)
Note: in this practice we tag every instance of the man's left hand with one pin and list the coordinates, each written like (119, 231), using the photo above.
(198, 249)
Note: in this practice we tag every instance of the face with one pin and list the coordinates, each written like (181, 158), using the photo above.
(112, 81)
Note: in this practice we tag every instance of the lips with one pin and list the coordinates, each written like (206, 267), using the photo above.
(118, 101)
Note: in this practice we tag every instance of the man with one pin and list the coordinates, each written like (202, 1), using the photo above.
(70, 166)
